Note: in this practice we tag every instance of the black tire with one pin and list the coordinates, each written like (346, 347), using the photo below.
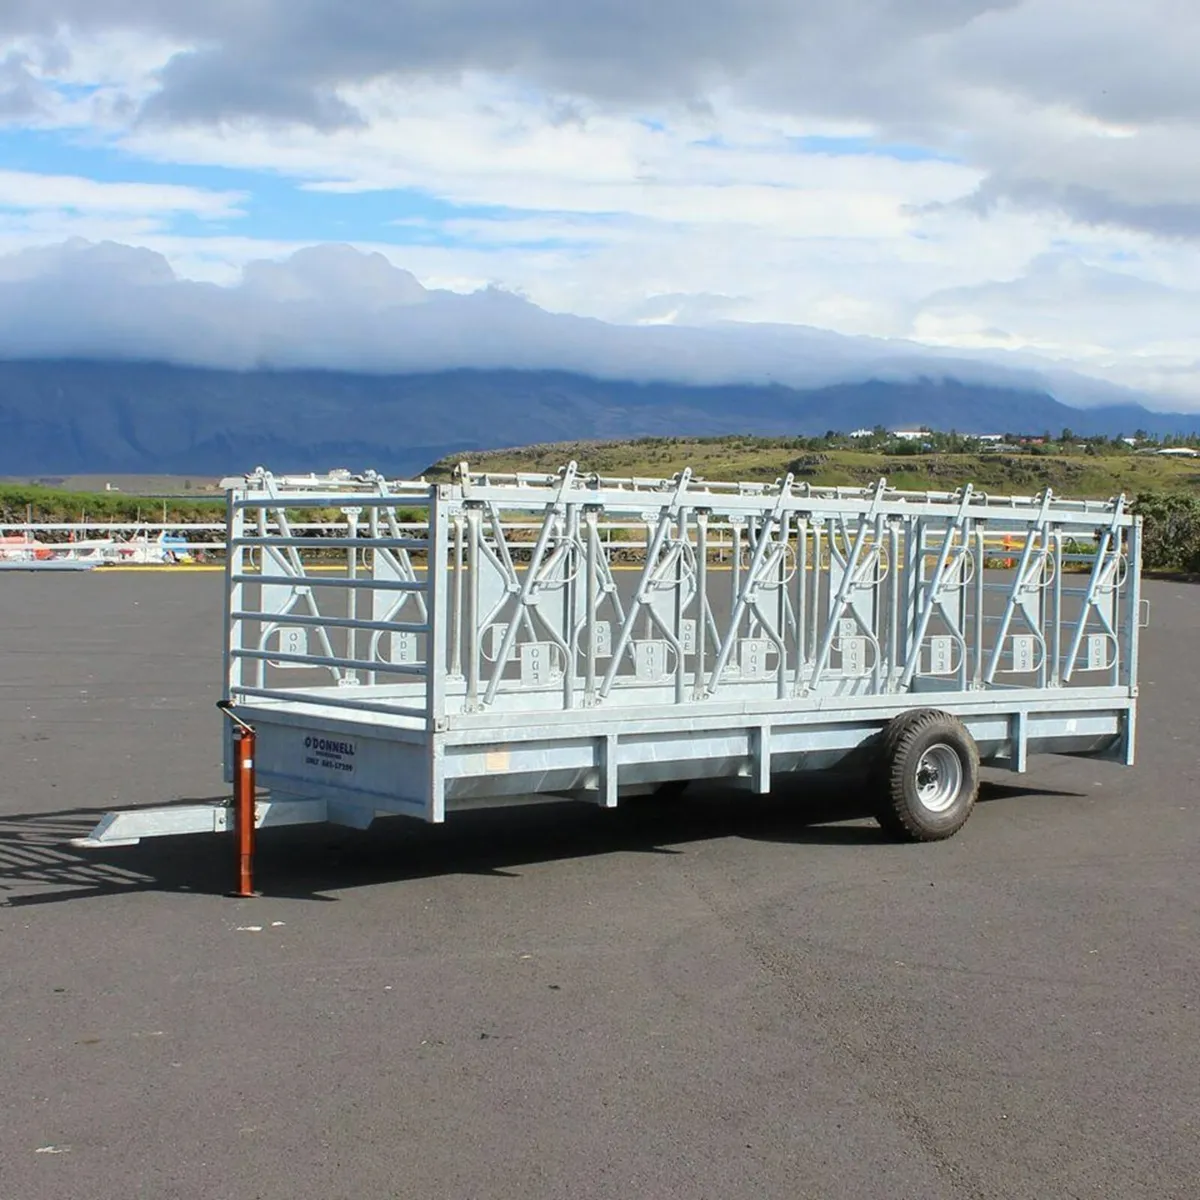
(926, 776)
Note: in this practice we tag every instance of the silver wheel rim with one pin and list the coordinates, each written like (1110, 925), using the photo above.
(939, 778)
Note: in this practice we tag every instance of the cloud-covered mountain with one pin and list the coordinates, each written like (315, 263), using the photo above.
(110, 362)
(979, 175)
(332, 307)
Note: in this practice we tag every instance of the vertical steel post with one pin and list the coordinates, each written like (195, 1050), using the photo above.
(570, 647)
(702, 608)
(801, 598)
(352, 593)
(818, 569)
(474, 632)
(456, 608)
(1056, 630)
(375, 637)
(1133, 613)
(781, 618)
(896, 571)
(735, 560)
(235, 566)
(980, 592)
(437, 562)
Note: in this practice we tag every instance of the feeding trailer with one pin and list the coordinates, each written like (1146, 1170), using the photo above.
(500, 639)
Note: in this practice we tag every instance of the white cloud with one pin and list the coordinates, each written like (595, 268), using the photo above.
(334, 307)
(1030, 92)
(487, 143)
(29, 191)
(21, 93)
(1061, 303)
(1067, 308)
(648, 156)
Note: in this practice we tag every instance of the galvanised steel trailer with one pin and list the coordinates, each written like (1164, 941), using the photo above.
(501, 650)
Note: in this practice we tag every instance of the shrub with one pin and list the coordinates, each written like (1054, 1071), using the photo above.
(1171, 531)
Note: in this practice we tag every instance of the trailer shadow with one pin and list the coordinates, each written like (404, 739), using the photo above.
(39, 865)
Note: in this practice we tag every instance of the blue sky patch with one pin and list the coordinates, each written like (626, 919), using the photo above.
(275, 208)
(849, 146)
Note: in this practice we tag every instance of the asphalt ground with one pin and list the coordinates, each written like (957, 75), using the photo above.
(730, 996)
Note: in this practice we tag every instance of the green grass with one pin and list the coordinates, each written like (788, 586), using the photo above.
(729, 458)
(131, 485)
(17, 501)
(1074, 474)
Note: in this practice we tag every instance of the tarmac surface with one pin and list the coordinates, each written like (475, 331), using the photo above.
(725, 997)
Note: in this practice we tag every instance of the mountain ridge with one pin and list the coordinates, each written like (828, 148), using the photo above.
(69, 416)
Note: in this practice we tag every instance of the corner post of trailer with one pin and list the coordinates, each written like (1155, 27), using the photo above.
(1134, 623)
(1134, 620)
(235, 555)
(435, 644)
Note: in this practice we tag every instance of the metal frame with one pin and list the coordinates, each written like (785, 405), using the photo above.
(488, 652)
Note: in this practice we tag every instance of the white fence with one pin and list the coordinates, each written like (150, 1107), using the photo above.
(209, 537)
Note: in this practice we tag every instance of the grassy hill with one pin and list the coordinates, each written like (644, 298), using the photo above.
(1069, 473)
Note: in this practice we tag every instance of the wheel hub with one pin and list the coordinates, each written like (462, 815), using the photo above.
(939, 778)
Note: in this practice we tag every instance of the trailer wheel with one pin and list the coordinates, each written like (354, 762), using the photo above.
(927, 776)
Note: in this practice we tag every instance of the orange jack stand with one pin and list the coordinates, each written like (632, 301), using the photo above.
(243, 808)
(243, 803)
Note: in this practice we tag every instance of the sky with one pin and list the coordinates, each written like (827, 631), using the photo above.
(996, 178)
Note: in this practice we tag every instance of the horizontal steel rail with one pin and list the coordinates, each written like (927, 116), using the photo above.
(329, 660)
(366, 541)
(300, 500)
(327, 581)
(383, 707)
(321, 622)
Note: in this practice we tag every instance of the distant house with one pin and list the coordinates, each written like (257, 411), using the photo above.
(989, 437)
(1180, 452)
(862, 433)
(908, 435)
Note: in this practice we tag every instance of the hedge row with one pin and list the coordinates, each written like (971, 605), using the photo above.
(1171, 531)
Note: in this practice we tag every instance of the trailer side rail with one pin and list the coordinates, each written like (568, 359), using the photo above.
(487, 598)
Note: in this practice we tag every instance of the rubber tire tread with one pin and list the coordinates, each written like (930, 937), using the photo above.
(895, 813)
